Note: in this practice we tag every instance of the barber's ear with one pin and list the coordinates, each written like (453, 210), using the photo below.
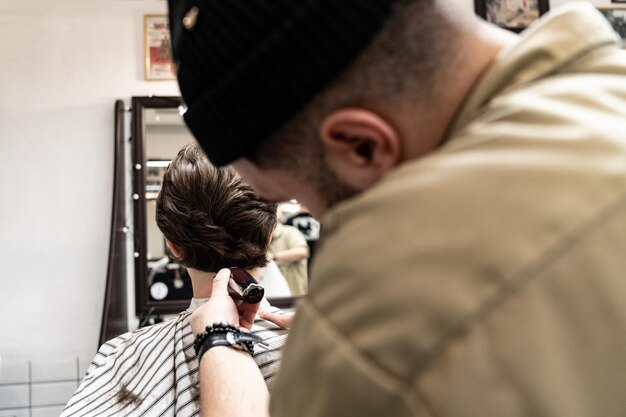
(174, 249)
(360, 146)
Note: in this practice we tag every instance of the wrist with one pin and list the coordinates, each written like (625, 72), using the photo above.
(224, 335)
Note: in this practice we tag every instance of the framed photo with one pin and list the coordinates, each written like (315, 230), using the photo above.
(617, 19)
(514, 15)
(158, 48)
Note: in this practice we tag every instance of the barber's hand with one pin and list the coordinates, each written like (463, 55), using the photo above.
(283, 321)
(222, 308)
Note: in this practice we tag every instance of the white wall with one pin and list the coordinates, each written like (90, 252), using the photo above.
(62, 65)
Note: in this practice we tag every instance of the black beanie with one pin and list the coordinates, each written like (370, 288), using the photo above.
(247, 66)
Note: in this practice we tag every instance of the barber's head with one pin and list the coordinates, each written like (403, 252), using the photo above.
(311, 99)
(211, 216)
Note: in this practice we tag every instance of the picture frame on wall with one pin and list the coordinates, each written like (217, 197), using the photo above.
(158, 48)
(617, 19)
(514, 15)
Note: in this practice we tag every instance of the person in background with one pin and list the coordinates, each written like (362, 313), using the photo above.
(308, 226)
(211, 219)
(472, 184)
(290, 251)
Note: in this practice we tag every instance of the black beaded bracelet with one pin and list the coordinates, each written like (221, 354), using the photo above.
(220, 328)
(224, 334)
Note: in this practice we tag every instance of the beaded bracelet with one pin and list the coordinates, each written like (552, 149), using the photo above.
(224, 334)
(220, 328)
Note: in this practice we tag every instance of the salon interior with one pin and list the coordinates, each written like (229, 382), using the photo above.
(90, 118)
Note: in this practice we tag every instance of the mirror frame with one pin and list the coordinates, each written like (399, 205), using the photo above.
(138, 137)
(115, 307)
(143, 303)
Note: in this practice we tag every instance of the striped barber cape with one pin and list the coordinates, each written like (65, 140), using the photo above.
(153, 371)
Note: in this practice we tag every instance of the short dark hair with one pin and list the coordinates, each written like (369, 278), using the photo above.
(212, 215)
(406, 63)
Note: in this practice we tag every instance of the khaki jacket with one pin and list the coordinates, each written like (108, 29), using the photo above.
(489, 278)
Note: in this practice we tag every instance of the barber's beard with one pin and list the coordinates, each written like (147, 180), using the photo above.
(329, 186)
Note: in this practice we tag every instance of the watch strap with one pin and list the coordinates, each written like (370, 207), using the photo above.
(220, 334)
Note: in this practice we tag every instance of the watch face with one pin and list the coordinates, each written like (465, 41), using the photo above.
(230, 338)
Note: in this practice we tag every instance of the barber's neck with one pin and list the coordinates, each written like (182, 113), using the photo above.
(425, 124)
(202, 282)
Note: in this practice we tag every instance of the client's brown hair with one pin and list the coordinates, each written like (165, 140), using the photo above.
(212, 215)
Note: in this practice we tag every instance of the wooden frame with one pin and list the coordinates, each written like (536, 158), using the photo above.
(514, 15)
(114, 310)
(138, 128)
(157, 45)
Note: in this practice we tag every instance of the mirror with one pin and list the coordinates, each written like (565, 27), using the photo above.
(162, 285)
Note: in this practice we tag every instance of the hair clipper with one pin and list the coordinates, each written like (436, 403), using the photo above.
(249, 291)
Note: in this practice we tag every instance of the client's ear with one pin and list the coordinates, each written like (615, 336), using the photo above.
(360, 146)
(174, 249)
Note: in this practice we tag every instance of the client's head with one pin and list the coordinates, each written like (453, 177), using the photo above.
(210, 216)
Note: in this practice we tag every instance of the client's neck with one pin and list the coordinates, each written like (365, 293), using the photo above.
(202, 282)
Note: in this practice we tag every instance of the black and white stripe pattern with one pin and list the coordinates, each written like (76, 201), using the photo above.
(153, 371)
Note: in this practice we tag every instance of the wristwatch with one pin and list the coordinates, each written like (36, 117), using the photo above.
(220, 334)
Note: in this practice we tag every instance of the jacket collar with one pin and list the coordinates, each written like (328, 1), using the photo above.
(560, 37)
